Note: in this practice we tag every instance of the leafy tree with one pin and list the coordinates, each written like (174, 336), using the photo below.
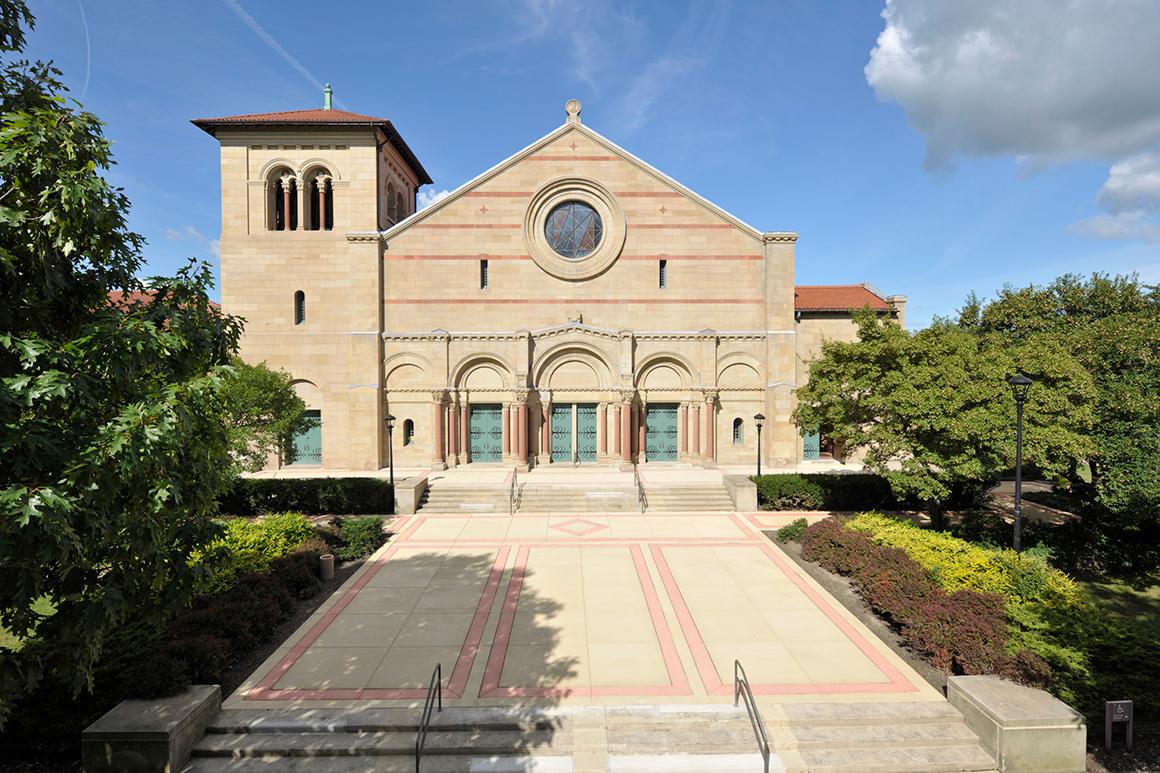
(932, 412)
(1111, 325)
(113, 443)
(263, 413)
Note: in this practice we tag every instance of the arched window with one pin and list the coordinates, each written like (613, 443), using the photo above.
(392, 206)
(321, 201)
(408, 432)
(400, 207)
(299, 308)
(738, 432)
(282, 201)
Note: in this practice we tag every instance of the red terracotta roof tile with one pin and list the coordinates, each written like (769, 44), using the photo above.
(122, 298)
(837, 298)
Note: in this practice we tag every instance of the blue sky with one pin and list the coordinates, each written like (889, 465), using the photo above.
(965, 157)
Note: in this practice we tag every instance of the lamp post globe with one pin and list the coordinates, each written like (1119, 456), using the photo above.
(389, 420)
(1019, 386)
(759, 422)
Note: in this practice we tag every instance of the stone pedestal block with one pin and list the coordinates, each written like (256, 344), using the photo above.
(742, 491)
(408, 494)
(150, 736)
(1024, 729)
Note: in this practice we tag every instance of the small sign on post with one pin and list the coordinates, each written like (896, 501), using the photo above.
(1116, 713)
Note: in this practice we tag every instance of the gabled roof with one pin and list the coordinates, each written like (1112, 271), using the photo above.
(319, 117)
(837, 298)
(126, 299)
(600, 139)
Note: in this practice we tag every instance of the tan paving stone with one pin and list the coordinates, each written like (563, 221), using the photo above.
(627, 664)
(412, 666)
(537, 666)
(370, 630)
(333, 668)
(425, 629)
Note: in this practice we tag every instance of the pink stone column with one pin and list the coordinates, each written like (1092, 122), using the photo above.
(641, 432)
(522, 419)
(506, 430)
(602, 428)
(634, 431)
(683, 429)
(464, 431)
(710, 429)
(453, 434)
(437, 457)
(696, 430)
(545, 430)
(616, 433)
(285, 204)
(322, 205)
(626, 432)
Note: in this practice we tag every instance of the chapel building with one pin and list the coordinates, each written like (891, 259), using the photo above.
(570, 305)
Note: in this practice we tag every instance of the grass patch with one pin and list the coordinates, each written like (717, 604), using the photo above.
(1140, 608)
(9, 641)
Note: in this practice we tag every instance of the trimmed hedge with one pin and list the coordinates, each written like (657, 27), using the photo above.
(823, 491)
(312, 496)
(963, 632)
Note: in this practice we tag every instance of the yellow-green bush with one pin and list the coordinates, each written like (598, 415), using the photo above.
(958, 564)
(250, 545)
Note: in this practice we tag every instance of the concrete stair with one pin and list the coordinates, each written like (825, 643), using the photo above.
(704, 498)
(464, 499)
(823, 738)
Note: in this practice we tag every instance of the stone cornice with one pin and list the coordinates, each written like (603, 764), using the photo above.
(779, 236)
(365, 236)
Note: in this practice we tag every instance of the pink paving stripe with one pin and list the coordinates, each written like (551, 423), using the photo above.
(572, 541)
(265, 689)
(491, 688)
(507, 619)
(708, 670)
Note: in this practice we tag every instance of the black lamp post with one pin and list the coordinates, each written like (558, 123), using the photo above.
(390, 421)
(1019, 386)
(758, 421)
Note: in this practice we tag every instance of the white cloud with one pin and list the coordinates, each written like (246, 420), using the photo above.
(1134, 225)
(430, 196)
(188, 233)
(1042, 81)
(1133, 184)
(1045, 80)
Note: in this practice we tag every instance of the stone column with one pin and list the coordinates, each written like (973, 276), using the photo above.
(634, 431)
(696, 423)
(710, 428)
(453, 432)
(286, 180)
(545, 455)
(683, 431)
(522, 428)
(321, 181)
(437, 458)
(616, 431)
(626, 412)
(642, 432)
(506, 430)
(464, 430)
(602, 429)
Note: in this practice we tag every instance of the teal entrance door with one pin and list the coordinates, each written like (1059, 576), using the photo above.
(486, 433)
(811, 446)
(586, 432)
(306, 447)
(660, 440)
(562, 433)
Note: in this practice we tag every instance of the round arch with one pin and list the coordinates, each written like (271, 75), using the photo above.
(314, 164)
(547, 364)
(671, 360)
(494, 362)
(739, 358)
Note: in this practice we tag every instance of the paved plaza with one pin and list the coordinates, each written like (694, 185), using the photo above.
(604, 609)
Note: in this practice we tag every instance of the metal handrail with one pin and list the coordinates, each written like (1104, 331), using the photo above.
(512, 491)
(740, 688)
(434, 693)
(641, 499)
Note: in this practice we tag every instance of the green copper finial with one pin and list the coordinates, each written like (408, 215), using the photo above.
(326, 94)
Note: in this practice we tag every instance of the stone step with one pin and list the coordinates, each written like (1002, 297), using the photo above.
(400, 764)
(371, 720)
(902, 758)
(378, 743)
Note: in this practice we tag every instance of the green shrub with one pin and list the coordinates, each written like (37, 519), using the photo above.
(361, 536)
(248, 546)
(313, 496)
(792, 532)
(823, 491)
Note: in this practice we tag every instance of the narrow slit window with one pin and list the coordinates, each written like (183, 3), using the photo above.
(299, 308)
(738, 432)
(664, 274)
(483, 275)
(408, 432)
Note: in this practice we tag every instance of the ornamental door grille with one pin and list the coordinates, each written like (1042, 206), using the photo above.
(586, 432)
(811, 446)
(562, 433)
(660, 440)
(486, 433)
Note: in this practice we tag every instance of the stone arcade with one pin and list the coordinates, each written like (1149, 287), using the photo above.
(570, 305)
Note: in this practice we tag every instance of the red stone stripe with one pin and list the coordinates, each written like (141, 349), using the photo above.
(479, 256)
(553, 301)
(496, 194)
(651, 194)
(545, 157)
(467, 225)
(679, 225)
